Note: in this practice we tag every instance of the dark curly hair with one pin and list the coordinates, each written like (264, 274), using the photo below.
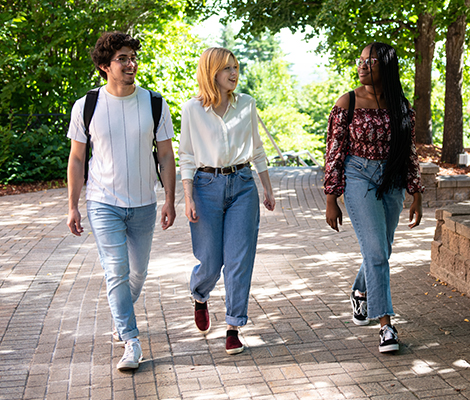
(107, 45)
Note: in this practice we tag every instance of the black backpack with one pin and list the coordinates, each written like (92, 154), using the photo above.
(90, 104)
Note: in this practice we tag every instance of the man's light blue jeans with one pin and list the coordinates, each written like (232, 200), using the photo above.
(124, 239)
(225, 235)
(374, 221)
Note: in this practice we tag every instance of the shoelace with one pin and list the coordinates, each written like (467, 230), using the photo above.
(387, 333)
(361, 308)
(129, 350)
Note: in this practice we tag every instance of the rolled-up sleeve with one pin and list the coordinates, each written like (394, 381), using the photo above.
(186, 151)
(259, 155)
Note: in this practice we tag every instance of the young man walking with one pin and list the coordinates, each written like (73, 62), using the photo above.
(122, 178)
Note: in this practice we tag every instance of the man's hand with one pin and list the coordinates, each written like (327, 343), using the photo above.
(168, 215)
(166, 158)
(74, 222)
(75, 172)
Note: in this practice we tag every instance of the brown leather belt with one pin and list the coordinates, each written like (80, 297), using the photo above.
(224, 170)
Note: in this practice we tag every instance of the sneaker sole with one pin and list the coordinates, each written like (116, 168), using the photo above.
(361, 322)
(129, 365)
(235, 351)
(389, 348)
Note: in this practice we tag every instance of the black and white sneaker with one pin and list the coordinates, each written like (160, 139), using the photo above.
(359, 306)
(388, 339)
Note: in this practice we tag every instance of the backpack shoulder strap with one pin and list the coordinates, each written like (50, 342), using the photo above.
(352, 105)
(156, 99)
(90, 104)
(156, 102)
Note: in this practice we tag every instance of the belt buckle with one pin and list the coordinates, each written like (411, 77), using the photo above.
(230, 169)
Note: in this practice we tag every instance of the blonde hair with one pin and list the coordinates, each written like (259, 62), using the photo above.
(212, 61)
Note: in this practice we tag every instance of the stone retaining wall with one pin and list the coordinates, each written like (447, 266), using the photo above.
(450, 250)
(441, 190)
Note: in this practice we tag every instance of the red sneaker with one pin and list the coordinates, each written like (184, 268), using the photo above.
(232, 343)
(201, 317)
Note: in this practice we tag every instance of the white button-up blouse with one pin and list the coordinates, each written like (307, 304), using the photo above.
(207, 140)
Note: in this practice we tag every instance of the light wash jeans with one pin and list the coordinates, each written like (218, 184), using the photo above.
(225, 235)
(374, 221)
(124, 239)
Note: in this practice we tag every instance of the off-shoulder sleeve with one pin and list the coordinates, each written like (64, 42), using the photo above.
(336, 151)
(413, 179)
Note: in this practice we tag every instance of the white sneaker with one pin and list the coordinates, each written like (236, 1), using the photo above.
(132, 355)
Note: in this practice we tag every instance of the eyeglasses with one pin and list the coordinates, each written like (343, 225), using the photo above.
(370, 62)
(125, 60)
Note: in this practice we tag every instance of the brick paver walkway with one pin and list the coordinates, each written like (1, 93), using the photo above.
(55, 326)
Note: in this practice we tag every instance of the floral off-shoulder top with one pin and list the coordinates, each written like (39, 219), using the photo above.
(368, 137)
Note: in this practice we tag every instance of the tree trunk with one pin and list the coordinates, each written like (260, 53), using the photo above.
(424, 53)
(452, 142)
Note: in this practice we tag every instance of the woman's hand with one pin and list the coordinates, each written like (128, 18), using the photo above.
(269, 201)
(190, 206)
(333, 212)
(190, 210)
(416, 210)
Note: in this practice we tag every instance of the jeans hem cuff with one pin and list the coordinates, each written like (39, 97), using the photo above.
(392, 314)
(236, 321)
(201, 299)
(129, 335)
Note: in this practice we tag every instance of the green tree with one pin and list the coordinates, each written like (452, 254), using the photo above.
(291, 131)
(458, 12)
(262, 47)
(269, 82)
(317, 98)
(46, 66)
(169, 59)
(45, 46)
(348, 25)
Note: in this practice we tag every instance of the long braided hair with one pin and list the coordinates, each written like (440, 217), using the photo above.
(396, 169)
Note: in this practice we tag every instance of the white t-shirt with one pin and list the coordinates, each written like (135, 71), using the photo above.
(121, 169)
(207, 140)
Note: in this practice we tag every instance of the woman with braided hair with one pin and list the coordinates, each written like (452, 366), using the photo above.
(372, 159)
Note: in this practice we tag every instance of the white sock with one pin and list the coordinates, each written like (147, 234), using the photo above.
(357, 293)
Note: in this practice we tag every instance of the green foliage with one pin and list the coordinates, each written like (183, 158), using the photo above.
(29, 154)
(291, 131)
(258, 15)
(317, 99)
(45, 46)
(46, 66)
(263, 47)
(347, 26)
(269, 82)
(466, 99)
(169, 59)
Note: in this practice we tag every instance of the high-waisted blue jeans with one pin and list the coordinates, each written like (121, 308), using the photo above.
(124, 239)
(225, 235)
(374, 221)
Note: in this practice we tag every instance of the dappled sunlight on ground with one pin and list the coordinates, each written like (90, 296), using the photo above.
(300, 339)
